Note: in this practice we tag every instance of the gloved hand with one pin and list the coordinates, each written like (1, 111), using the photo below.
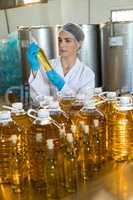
(32, 56)
(55, 79)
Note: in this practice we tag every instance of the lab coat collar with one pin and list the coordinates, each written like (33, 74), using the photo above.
(74, 68)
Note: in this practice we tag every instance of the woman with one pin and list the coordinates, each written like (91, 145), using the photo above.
(69, 74)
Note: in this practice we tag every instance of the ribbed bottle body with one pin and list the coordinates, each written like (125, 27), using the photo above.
(40, 131)
(92, 123)
(120, 129)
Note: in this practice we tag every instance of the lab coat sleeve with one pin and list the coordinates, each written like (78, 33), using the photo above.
(39, 85)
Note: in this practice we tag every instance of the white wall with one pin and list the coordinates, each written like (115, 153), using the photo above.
(60, 12)
(3, 26)
(100, 10)
(75, 11)
(32, 15)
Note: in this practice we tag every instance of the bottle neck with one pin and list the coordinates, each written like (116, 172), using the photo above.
(3, 121)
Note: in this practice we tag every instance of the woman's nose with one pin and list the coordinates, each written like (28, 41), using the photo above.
(61, 43)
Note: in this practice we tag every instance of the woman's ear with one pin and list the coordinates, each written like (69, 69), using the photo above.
(78, 45)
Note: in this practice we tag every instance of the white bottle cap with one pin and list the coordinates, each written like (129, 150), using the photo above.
(125, 101)
(41, 98)
(98, 90)
(46, 101)
(17, 105)
(111, 95)
(90, 104)
(50, 143)
(43, 113)
(69, 137)
(67, 93)
(5, 115)
(54, 105)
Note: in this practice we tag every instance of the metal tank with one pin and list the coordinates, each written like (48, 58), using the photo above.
(117, 56)
(90, 53)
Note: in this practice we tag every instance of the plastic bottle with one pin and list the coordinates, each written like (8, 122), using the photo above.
(110, 103)
(8, 129)
(108, 108)
(97, 97)
(23, 121)
(66, 100)
(70, 165)
(120, 129)
(52, 171)
(76, 106)
(91, 119)
(60, 116)
(42, 129)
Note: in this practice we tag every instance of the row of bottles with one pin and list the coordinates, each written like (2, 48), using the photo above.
(56, 148)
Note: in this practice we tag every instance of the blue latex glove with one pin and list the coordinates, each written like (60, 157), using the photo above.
(32, 56)
(55, 79)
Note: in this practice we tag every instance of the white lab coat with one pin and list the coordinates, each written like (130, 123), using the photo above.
(78, 79)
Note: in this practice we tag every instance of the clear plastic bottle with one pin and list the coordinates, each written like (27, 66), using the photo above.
(8, 128)
(76, 106)
(52, 172)
(97, 97)
(66, 100)
(108, 108)
(23, 121)
(20, 116)
(59, 116)
(41, 130)
(91, 119)
(120, 129)
(110, 104)
(70, 165)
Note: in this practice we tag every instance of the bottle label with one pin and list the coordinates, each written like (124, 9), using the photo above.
(73, 128)
(39, 137)
(13, 139)
(86, 129)
(96, 123)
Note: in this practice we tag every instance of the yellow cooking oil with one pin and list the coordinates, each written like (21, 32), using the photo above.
(21, 118)
(108, 108)
(59, 116)
(84, 156)
(41, 130)
(92, 122)
(17, 164)
(120, 129)
(97, 94)
(70, 165)
(75, 108)
(65, 101)
(53, 187)
(8, 128)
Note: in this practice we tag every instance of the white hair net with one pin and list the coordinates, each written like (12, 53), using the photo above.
(75, 30)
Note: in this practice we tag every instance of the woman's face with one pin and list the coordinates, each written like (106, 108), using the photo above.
(68, 45)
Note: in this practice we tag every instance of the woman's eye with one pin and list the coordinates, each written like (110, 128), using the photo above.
(59, 40)
(68, 40)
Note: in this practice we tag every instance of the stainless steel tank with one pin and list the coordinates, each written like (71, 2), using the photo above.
(90, 51)
(117, 56)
